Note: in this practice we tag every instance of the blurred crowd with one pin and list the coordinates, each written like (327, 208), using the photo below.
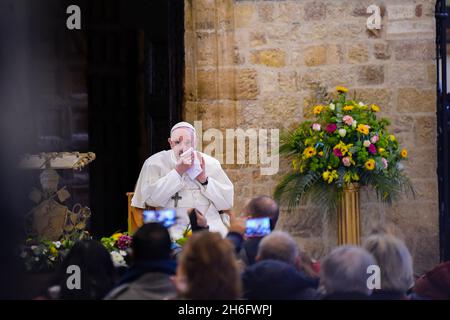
(273, 266)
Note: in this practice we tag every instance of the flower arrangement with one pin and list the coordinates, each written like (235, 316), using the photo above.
(345, 144)
(41, 255)
(118, 245)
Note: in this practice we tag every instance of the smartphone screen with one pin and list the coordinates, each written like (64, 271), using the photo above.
(257, 227)
(166, 217)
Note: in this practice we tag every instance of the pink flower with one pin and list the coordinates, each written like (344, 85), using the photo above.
(331, 127)
(385, 162)
(316, 126)
(124, 242)
(374, 139)
(348, 120)
(337, 152)
(372, 149)
(346, 161)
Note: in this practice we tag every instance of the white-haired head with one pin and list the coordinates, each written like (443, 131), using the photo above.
(279, 245)
(344, 270)
(394, 260)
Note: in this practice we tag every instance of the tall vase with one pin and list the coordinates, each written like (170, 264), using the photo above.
(348, 215)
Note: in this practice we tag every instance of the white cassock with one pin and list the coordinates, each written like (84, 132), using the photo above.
(158, 183)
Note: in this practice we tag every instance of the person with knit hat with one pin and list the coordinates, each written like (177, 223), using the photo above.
(183, 178)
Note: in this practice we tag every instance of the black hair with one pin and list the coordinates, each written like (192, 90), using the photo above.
(97, 273)
(151, 242)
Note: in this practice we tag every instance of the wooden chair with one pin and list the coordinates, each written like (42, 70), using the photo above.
(134, 215)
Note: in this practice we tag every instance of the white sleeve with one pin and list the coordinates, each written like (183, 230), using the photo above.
(153, 189)
(219, 190)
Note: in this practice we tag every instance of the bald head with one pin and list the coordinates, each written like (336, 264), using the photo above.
(263, 206)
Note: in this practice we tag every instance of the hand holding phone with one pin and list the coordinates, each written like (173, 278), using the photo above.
(257, 227)
(166, 217)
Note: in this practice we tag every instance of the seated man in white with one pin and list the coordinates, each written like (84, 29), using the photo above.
(183, 178)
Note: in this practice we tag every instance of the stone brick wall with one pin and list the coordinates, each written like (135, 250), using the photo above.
(253, 64)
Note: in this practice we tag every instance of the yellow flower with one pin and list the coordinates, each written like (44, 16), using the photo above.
(343, 147)
(370, 164)
(380, 150)
(321, 153)
(392, 137)
(309, 152)
(349, 176)
(189, 233)
(318, 109)
(329, 176)
(116, 236)
(375, 108)
(404, 153)
(294, 164)
(53, 251)
(341, 89)
(348, 108)
(363, 128)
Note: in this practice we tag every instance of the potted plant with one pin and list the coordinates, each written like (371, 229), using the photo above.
(345, 147)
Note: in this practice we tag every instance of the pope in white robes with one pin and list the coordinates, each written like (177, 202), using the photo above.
(182, 178)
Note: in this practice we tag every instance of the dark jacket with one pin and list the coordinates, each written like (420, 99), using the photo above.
(271, 279)
(146, 281)
(246, 250)
(249, 250)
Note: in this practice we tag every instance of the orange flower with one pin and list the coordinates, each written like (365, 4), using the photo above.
(404, 153)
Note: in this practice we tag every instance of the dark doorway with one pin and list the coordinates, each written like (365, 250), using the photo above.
(114, 88)
(443, 123)
(135, 68)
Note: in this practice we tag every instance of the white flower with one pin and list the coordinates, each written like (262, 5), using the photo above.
(354, 123)
(33, 247)
(123, 253)
(342, 132)
(332, 106)
(362, 104)
(316, 126)
(57, 244)
(36, 259)
(400, 166)
(366, 143)
(117, 259)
